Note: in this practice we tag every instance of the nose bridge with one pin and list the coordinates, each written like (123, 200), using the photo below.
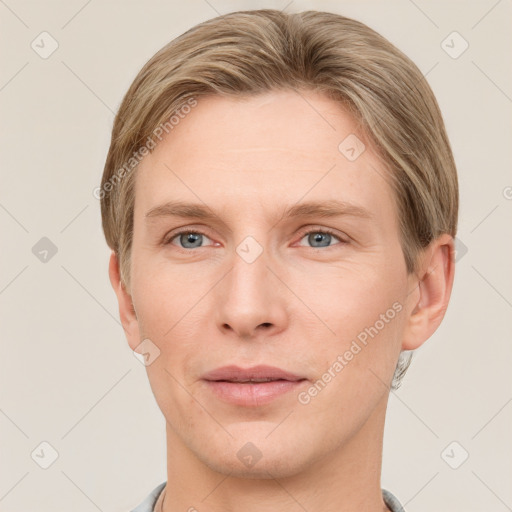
(249, 278)
(248, 296)
(251, 253)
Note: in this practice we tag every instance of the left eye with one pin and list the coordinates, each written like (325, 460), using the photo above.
(319, 238)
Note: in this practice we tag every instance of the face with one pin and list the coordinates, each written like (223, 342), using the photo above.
(298, 266)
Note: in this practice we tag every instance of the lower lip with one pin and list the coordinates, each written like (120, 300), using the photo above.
(252, 395)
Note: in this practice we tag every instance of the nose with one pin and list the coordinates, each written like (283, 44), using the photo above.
(250, 300)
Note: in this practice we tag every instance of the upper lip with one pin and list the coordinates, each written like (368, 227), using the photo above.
(234, 373)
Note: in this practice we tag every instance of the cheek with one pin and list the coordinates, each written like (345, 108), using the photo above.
(357, 326)
(355, 369)
(160, 296)
(170, 313)
(349, 299)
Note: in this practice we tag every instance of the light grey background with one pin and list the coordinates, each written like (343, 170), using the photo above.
(67, 375)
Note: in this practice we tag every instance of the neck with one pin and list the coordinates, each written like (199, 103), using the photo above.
(345, 480)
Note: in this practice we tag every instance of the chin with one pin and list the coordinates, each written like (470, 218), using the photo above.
(268, 467)
(255, 456)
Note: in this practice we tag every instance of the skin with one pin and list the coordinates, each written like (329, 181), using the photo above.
(298, 306)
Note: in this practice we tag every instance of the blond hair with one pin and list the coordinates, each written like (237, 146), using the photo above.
(253, 52)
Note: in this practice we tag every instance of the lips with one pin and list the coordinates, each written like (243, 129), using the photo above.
(252, 387)
(261, 373)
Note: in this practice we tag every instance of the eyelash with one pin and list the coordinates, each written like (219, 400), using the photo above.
(326, 231)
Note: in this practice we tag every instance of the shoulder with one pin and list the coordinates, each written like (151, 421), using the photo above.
(392, 502)
(149, 502)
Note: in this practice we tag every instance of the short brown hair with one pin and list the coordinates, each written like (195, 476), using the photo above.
(253, 52)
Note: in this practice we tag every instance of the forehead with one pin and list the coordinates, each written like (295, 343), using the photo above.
(259, 152)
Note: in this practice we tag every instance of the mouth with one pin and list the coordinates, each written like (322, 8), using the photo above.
(261, 373)
(252, 381)
(251, 387)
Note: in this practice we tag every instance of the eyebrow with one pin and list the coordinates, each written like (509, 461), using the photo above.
(329, 208)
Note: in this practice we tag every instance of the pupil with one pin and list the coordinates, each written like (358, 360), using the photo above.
(190, 238)
(319, 238)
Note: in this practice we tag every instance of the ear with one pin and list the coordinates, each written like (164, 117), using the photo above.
(429, 292)
(126, 310)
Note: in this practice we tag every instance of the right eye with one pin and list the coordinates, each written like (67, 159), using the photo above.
(187, 239)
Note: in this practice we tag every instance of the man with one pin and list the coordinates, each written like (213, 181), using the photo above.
(280, 198)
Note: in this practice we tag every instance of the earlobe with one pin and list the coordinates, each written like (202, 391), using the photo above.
(431, 290)
(126, 310)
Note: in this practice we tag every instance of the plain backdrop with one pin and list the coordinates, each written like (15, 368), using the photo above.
(67, 375)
